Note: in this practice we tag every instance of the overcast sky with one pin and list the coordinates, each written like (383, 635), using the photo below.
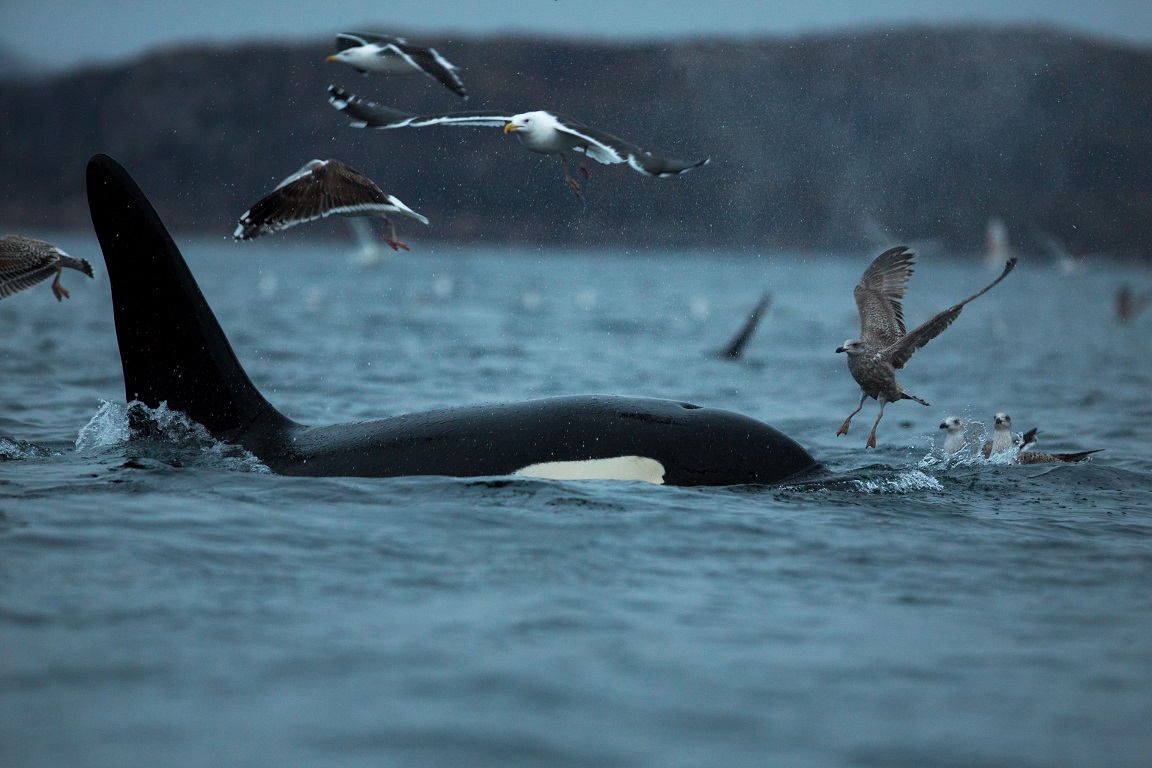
(55, 33)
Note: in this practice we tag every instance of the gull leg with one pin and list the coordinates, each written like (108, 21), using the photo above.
(568, 175)
(844, 427)
(58, 290)
(391, 239)
(872, 437)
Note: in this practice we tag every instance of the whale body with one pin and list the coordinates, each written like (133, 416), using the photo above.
(173, 350)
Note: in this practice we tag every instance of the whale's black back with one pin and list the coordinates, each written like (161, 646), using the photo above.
(171, 345)
(174, 351)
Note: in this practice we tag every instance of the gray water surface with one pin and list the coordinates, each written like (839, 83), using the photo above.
(168, 602)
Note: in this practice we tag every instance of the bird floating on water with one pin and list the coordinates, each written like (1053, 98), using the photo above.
(366, 52)
(546, 133)
(24, 262)
(954, 440)
(322, 188)
(1004, 441)
(884, 346)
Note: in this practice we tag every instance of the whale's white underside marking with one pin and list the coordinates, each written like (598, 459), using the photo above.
(615, 468)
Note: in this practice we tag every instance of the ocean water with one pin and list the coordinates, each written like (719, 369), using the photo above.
(169, 602)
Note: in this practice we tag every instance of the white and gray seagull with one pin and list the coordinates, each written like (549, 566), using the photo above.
(322, 188)
(884, 346)
(24, 262)
(954, 440)
(366, 52)
(546, 133)
(1003, 441)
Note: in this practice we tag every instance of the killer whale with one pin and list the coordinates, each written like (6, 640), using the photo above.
(173, 350)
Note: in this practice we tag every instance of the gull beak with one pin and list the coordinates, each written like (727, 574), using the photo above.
(841, 349)
(510, 127)
(331, 58)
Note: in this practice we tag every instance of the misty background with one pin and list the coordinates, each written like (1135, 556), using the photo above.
(828, 128)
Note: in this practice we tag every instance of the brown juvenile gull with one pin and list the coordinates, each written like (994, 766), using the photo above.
(1003, 440)
(546, 133)
(322, 188)
(24, 262)
(366, 53)
(954, 440)
(883, 346)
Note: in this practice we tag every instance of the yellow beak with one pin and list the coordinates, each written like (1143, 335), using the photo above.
(509, 127)
(331, 58)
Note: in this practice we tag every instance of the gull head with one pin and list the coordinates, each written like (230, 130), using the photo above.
(852, 347)
(953, 425)
(1003, 421)
(529, 123)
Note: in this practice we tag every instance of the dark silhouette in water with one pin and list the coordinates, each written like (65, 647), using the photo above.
(173, 350)
(735, 348)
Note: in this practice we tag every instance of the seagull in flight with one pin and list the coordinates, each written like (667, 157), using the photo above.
(366, 53)
(884, 347)
(543, 132)
(322, 188)
(24, 262)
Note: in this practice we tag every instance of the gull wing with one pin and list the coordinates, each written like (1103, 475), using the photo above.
(609, 149)
(878, 296)
(898, 353)
(10, 284)
(346, 40)
(426, 60)
(321, 188)
(430, 62)
(25, 262)
(367, 114)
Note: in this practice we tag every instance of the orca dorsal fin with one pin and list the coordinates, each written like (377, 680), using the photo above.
(172, 348)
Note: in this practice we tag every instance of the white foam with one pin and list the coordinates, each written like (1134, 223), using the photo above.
(108, 427)
(905, 482)
(115, 425)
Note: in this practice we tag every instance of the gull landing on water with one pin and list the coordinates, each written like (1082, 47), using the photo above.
(1003, 441)
(546, 133)
(954, 440)
(366, 53)
(322, 188)
(883, 346)
(24, 262)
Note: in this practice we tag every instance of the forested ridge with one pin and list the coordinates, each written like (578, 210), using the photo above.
(816, 142)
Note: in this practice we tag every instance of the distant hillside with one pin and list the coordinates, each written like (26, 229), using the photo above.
(925, 132)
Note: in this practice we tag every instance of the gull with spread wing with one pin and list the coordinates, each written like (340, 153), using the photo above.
(884, 347)
(546, 133)
(24, 262)
(322, 188)
(366, 52)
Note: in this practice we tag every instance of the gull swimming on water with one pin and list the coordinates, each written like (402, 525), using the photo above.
(954, 440)
(546, 133)
(322, 188)
(24, 262)
(1003, 441)
(884, 346)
